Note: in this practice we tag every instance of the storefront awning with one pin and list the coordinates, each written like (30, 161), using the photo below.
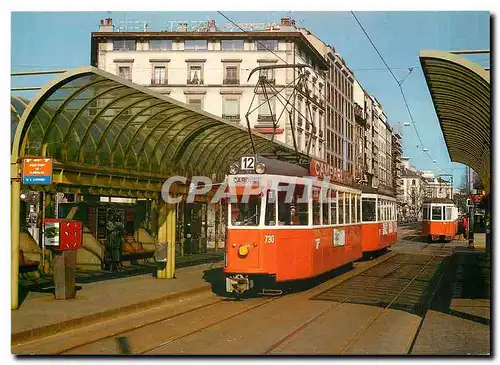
(461, 93)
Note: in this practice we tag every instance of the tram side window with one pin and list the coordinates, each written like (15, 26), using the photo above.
(316, 207)
(368, 211)
(270, 217)
(341, 207)
(293, 212)
(333, 206)
(447, 213)
(353, 208)
(425, 212)
(325, 194)
(437, 213)
(246, 214)
(358, 207)
(379, 208)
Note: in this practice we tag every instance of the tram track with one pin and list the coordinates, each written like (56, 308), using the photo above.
(32, 348)
(217, 305)
(373, 319)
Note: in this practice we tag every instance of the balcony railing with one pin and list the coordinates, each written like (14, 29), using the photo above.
(232, 118)
(195, 82)
(158, 82)
(231, 82)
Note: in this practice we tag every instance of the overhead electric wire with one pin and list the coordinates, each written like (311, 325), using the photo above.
(399, 85)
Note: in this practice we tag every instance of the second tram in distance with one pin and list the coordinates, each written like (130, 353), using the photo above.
(440, 219)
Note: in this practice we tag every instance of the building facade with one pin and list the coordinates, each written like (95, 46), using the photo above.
(340, 129)
(436, 186)
(376, 141)
(209, 70)
(413, 194)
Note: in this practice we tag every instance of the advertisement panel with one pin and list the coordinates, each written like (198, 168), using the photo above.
(338, 237)
(51, 234)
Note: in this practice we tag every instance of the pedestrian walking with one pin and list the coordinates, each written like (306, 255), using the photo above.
(465, 225)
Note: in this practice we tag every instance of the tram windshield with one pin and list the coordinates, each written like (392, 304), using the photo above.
(246, 212)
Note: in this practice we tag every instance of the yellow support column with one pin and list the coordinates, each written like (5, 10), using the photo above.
(15, 201)
(162, 234)
(171, 241)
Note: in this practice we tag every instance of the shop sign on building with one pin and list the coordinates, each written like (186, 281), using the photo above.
(334, 174)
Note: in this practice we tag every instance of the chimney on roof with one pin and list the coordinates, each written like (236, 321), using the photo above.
(287, 25)
(106, 25)
(211, 26)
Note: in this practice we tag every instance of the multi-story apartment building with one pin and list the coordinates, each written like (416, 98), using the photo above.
(397, 165)
(342, 150)
(413, 194)
(209, 69)
(436, 186)
(377, 138)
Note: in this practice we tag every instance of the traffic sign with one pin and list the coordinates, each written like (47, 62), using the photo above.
(37, 171)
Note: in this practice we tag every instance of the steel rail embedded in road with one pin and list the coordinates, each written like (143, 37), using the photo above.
(304, 325)
(318, 316)
(387, 307)
(208, 326)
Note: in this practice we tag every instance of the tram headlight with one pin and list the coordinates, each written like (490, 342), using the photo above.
(233, 169)
(260, 168)
(243, 250)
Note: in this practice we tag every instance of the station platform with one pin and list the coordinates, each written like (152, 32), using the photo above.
(459, 319)
(41, 315)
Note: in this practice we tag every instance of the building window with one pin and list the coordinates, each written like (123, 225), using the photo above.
(195, 75)
(159, 76)
(124, 45)
(232, 44)
(196, 102)
(231, 75)
(268, 73)
(160, 44)
(266, 113)
(413, 182)
(195, 44)
(231, 108)
(124, 71)
(266, 45)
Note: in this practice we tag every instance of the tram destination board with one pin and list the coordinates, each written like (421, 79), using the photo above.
(37, 171)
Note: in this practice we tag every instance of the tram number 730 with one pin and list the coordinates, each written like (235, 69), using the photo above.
(269, 238)
(248, 163)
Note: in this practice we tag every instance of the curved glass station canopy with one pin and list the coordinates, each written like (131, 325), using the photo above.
(461, 93)
(90, 118)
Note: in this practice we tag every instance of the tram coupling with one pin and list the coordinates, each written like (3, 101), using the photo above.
(238, 283)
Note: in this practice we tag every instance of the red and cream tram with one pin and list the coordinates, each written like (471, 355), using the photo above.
(284, 225)
(379, 228)
(440, 219)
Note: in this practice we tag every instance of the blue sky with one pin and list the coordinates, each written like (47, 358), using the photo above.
(61, 40)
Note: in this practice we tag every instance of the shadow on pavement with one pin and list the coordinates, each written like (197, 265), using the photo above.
(45, 284)
(466, 287)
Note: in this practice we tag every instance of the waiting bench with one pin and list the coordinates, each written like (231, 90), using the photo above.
(26, 266)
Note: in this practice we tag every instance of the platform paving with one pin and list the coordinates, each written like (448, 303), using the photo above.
(459, 320)
(41, 315)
